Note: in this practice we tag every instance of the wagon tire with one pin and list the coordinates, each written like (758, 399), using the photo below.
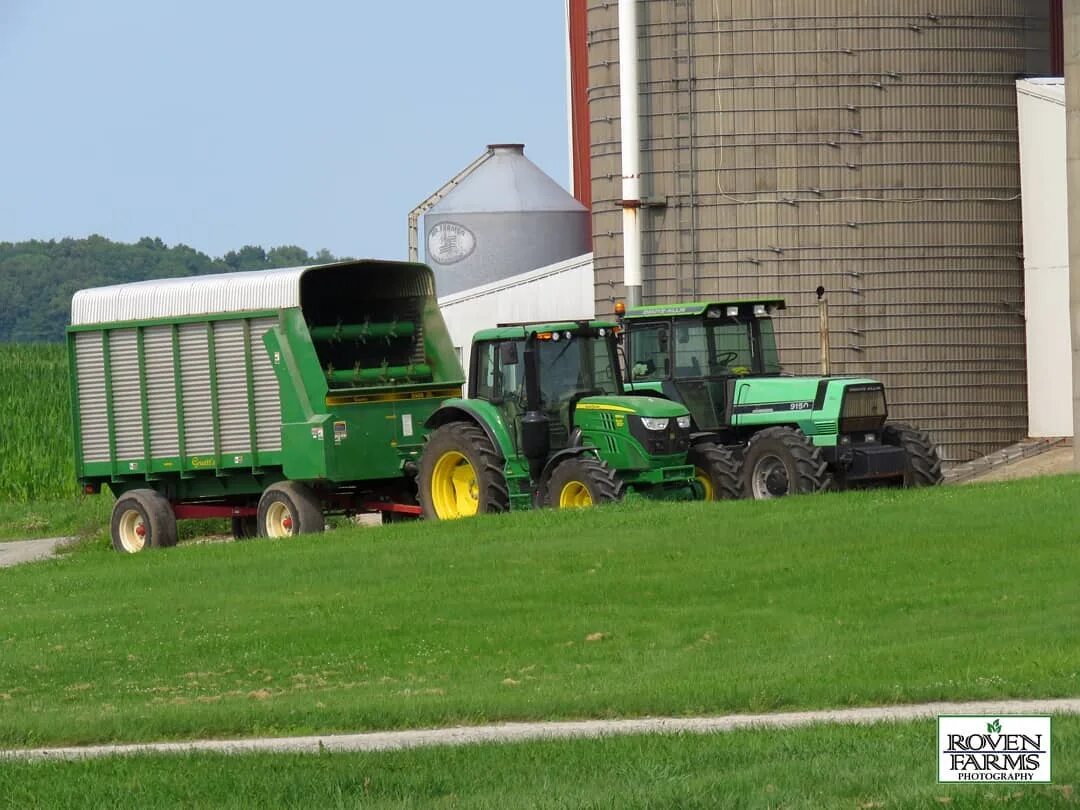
(583, 481)
(142, 518)
(717, 471)
(922, 467)
(461, 474)
(289, 508)
(782, 461)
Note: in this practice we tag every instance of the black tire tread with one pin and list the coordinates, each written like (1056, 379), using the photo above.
(723, 467)
(604, 485)
(470, 440)
(303, 503)
(811, 469)
(157, 514)
(923, 462)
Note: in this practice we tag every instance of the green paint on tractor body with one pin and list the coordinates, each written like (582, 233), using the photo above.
(551, 392)
(720, 359)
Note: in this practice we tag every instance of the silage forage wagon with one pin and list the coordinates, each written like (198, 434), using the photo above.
(269, 397)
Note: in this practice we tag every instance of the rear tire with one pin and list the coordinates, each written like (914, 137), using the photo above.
(142, 518)
(716, 470)
(461, 474)
(923, 467)
(287, 509)
(782, 461)
(582, 481)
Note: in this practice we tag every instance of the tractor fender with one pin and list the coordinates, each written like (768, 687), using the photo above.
(481, 413)
(559, 458)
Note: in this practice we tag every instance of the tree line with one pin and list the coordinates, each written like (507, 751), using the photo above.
(38, 278)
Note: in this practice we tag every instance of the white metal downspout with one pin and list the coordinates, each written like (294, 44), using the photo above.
(631, 150)
(569, 101)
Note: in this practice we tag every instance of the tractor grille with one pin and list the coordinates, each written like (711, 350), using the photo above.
(661, 443)
(863, 409)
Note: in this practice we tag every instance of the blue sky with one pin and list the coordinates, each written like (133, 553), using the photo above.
(233, 122)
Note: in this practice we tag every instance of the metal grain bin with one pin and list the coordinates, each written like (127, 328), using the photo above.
(506, 217)
(866, 146)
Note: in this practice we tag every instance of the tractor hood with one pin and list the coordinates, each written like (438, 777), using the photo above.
(812, 403)
(819, 406)
(652, 407)
(775, 394)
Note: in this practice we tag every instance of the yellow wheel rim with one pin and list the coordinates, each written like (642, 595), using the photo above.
(574, 494)
(279, 521)
(132, 531)
(455, 492)
(703, 478)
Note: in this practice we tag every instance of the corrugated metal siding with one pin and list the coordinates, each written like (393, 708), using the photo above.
(161, 391)
(867, 146)
(267, 396)
(195, 388)
(93, 406)
(232, 389)
(181, 297)
(127, 402)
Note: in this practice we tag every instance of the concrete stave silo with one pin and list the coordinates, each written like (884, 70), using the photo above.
(869, 147)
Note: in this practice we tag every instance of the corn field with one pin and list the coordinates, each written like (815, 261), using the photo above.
(35, 424)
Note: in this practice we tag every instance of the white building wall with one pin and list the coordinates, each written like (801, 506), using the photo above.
(562, 291)
(1046, 256)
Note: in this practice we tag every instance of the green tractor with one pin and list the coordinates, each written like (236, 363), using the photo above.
(787, 435)
(546, 423)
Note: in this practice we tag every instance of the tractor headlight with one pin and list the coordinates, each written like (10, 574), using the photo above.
(683, 422)
(651, 423)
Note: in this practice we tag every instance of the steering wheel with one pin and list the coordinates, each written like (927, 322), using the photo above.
(726, 358)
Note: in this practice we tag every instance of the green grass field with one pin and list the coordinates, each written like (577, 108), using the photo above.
(840, 600)
(36, 460)
(886, 766)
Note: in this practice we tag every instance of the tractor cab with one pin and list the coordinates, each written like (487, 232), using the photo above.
(572, 361)
(693, 353)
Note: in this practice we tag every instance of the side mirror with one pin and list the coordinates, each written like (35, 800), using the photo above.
(508, 353)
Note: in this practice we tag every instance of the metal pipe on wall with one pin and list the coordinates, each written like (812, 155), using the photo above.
(631, 150)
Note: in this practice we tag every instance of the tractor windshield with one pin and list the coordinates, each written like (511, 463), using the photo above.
(586, 363)
(702, 349)
(583, 364)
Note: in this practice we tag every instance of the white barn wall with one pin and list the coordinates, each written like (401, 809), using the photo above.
(1046, 256)
(562, 291)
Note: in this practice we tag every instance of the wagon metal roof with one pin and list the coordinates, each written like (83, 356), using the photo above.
(193, 295)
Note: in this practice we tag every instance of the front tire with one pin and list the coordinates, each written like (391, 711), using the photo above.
(461, 474)
(142, 518)
(923, 466)
(582, 481)
(287, 509)
(716, 470)
(782, 461)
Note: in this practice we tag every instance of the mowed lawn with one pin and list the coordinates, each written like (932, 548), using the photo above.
(840, 600)
(856, 768)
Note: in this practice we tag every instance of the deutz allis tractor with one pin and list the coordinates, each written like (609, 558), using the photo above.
(786, 434)
(546, 424)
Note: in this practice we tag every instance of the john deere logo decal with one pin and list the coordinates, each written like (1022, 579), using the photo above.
(449, 242)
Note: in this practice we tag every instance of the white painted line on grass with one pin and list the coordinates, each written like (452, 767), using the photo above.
(577, 729)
